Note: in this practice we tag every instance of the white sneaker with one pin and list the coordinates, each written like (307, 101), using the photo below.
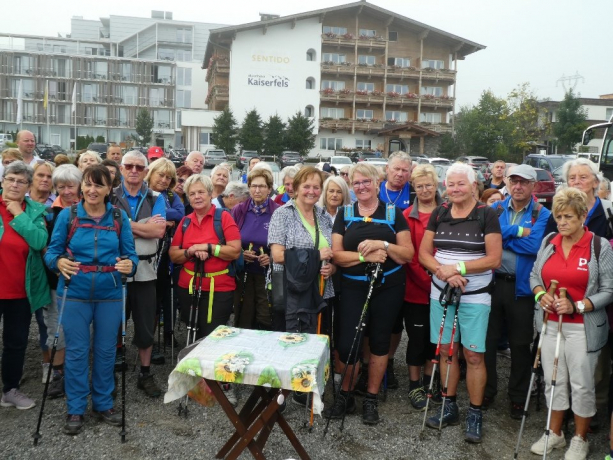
(578, 449)
(555, 442)
(14, 398)
(230, 391)
(46, 367)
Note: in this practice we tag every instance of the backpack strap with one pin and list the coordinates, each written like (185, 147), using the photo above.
(597, 246)
(217, 225)
(184, 225)
(536, 210)
(348, 215)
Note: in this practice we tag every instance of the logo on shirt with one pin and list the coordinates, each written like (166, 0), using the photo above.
(582, 263)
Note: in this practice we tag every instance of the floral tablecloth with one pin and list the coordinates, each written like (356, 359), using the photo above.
(299, 362)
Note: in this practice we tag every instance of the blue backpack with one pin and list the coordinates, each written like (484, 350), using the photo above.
(390, 217)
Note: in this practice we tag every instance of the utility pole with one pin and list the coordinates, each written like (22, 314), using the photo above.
(571, 81)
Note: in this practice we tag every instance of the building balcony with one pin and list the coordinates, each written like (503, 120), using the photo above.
(437, 102)
(402, 72)
(217, 97)
(370, 70)
(438, 75)
(350, 125)
(402, 100)
(438, 127)
(345, 68)
(349, 40)
(217, 64)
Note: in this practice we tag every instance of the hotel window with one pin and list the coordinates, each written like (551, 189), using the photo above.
(392, 36)
(184, 99)
(436, 91)
(400, 62)
(331, 84)
(368, 60)
(426, 117)
(368, 32)
(395, 115)
(310, 55)
(363, 144)
(370, 87)
(330, 143)
(333, 57)
(335, 30)
(433, 64)
(367, 114)
(184, 76)
(310, 83)
(309, 111)
(400, 89)
(332, 112)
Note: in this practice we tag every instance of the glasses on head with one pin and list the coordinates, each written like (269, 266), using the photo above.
(258, 186)
(421, 188)
(139, 168)
(364, 183)
(522, 182)
(15, 181)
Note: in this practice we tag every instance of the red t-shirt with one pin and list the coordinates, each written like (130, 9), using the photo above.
(13, 256)
(418, 281)
(203, 233)
(572, 272)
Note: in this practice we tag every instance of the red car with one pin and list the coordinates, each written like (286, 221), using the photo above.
(545, 188)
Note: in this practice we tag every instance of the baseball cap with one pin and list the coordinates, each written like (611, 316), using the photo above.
(154, 153)
(524, 171)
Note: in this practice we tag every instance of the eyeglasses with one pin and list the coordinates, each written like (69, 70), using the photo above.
(365, 183)
(344, 174)
(258, 186)
(139, 168)
(421, 188)
(523, 183)
(14, 181)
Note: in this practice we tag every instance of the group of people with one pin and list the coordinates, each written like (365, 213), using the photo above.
(302, 258)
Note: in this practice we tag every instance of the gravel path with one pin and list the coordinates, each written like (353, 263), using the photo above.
(156, 432)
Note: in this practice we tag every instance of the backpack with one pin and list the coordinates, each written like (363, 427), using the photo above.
(536, 210)
(236, 266)
(73, 223)
(390, 217)
(597, 243)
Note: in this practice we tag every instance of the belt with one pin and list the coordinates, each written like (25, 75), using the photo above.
(212, 276)
(147, 257)
(505, 277)
(366, 278)
(97, 268)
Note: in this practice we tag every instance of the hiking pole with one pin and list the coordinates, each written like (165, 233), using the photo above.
(554, 376)
(124, 279)
(444, 300)
(552, 289)
(37, 435)
(456, 294)
(172, 315)
(358, 333)
(237, 314)
(322, 284)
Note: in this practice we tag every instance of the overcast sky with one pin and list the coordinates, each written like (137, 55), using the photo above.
(535, 41)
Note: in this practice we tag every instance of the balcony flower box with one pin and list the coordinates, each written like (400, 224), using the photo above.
(445, 97)
(344, 119)
(362, 64)
(391, 120)
(376, 92)
(427, 96)
(327, 118)
(361, 92)
(328, 63)
(348, 36)
(345, 91)
(328, 91)
(330, 35)
(347, 64)
(410, 95)
(393, 94)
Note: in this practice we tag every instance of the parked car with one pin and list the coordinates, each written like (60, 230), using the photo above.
(545, 188)
(289, 158)
(433, 161)
(101, 148)
(45, 152)
(361, 156)
(245, 157)
(58, 149)
(176, 156)
(441, 171)
(547, 162)
(214, 157)
(558, 178)
(4, 138)
(377, 161)
(474, 160)
(340, 161)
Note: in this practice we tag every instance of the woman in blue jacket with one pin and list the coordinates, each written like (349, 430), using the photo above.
(95, 236)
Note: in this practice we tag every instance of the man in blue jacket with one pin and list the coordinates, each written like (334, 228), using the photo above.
(523, 222)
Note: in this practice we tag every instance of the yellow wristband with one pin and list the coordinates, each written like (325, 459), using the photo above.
(217, 249)
(462, 268)
(520, 231)
(361, 257)
(538, 296)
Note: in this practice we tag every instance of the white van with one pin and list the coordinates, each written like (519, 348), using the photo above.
(4, 138)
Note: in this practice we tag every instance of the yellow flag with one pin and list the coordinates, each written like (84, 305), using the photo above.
(46, 98)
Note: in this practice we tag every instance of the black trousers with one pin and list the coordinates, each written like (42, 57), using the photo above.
(519, 315)
(16, 317)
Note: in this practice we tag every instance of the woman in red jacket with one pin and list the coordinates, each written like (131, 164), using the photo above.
(416, 307)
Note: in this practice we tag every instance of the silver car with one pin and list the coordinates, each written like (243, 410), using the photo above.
(214, 157)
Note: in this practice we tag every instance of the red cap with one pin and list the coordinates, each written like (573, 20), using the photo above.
(154, 153)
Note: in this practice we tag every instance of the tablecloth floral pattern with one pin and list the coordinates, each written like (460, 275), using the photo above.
(299, 362)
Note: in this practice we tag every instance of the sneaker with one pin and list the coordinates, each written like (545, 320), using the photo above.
(110, 416)
(474, 426)
(517, 411)
(343, 404)
(451, 416)
(15, 398)
(418, 398)
(437, 395)
(56, 387)
(370, 413)
(555, 442)
(301, 398)
(578, 449)
(230, 392)
(361, 388)
(73, 424)
(389, 379)
(46, 367)
(147, 384)
(118, 360)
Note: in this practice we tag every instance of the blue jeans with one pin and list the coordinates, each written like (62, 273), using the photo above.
(76, 319)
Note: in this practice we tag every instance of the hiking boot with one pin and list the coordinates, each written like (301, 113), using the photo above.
(73, 424)
(361, 388)
(555, 442)
(343, 404)
(370, 413)
(578, 449)
(437, 395)
(418, 398)
(157, 358)
(451, 416)
(147, 384)
(46, 367)
(301, 398)
(517, 411)
(474, 426)
(15, 398)
(389, 379)
(56, 387)
(230, 392)
(110, 416)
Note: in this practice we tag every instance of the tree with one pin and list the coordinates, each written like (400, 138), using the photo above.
(570, 123)
(100, 139)
(250, 136)
(274, 136)
(224, 131)
(526, 130)
(448, 147)
(144, 126)
(299, 135)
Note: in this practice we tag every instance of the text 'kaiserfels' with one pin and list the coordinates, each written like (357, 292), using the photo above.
(265, 80)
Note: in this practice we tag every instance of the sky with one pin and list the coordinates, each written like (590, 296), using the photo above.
(535, 41)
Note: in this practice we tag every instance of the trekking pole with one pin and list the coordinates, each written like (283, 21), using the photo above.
(237, 314)
(552, 289)
(444, 300)
(124, 279)
(358, 333)
(37, 435)
(456, 294)
(322, 284)
(554, 376)
(172, 315)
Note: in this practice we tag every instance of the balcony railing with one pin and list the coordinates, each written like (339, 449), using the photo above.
(438, 74)
(350, 125)
(218, 92)
(336, 68)
(221, 65)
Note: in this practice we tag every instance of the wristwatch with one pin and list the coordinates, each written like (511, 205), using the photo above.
(386, 245)
(581, 307)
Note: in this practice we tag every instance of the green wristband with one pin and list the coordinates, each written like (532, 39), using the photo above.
(462, 268)
(520, 232)
(217, 250)
(538, 296)
(361, 257)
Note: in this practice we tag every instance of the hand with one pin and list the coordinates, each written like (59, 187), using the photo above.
(379, 256)
(157, 219)
(457, 281)
(368, 246)
(546, 302)
(250, 256)
(526, 232)
(123, 266)
(563, 306)
(264, 260)
(170, 223)
(444, 272)
(325, 253)
(14, 207)
(327, 270)
(67, 267)
(199, 251)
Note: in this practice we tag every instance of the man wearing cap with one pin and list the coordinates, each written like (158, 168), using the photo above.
(523, 222)
(154, 153)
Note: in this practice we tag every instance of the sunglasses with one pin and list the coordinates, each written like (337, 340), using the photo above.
(181, 181)
(139, 168)
(344, 174)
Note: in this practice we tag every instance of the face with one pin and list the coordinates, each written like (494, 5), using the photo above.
(363, 187)
(345, 176)
(114, 153)
(520, 188)
(14, 187)
(569, 222)
(94, 194)
(134, 172)
(87, 160)
(68, 193)
(398, 173)
(459, 188)
(199, 197)
(180, 181)
(288, 183)
(493, 198)
(603, 191)
(195, 162)
(334, 195)
(258, 190)
(309, 191)
(581, 177)
(221, 177)
(113, 171)
(498, 170)
(424, 188)
(253, 162)
(232, 200)
(42, 179)
(8, 161)
(26, 143)
(160, 181)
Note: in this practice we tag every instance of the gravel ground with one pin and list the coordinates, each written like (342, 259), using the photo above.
(156, 432)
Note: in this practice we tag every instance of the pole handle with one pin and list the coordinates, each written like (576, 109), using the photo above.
(553, 287)
(124, 277)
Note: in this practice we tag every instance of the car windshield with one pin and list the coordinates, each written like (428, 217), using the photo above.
(557, 162)
(216, 154)
(294, 155)
(541, 175)
(341, 160)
